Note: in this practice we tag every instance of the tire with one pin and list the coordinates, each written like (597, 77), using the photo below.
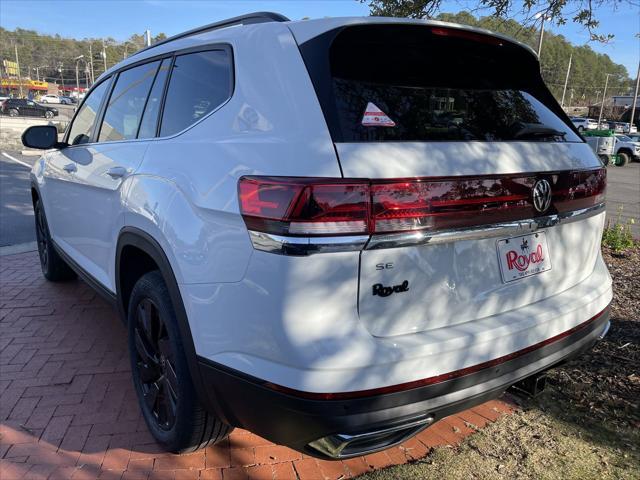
(161, 377)
(605, 159)
(54, 268)
(48, 114)
(623, 159)
(581, 129)
(44, 101)
(13, 112)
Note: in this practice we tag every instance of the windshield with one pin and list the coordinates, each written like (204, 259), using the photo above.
(623, 138)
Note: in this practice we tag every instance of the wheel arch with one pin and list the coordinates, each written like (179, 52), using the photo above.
(132, 240)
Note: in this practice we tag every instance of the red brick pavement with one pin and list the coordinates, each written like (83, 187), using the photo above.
(68, 408)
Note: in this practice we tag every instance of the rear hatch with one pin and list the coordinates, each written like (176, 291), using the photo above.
(465, 149)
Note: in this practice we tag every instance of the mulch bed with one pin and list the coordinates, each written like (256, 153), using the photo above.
(602, 386)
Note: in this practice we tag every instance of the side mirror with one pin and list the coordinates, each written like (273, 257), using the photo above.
(41, 136)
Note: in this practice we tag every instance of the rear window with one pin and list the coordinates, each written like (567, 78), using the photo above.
(416, 83)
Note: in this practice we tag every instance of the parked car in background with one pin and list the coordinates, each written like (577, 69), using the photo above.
(617, 127)
(626, 149)
(582, 123)
(300, 245)
(628, 128)
(50, 98)
(67, 100)
(622, 127)
(28, 108)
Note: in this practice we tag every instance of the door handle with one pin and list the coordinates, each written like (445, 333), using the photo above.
(70, 168)
(117, 172)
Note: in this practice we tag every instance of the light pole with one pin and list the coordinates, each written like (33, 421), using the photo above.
(542, 18)
(604, 95)
(566, 80)
(104, 55)
(77, 60)
(635, 99)
(126, 44)
(60, 65)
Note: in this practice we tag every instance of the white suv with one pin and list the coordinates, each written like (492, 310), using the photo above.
(327, 231)
(583, 124)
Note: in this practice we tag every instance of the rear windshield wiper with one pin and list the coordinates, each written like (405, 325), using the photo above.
(534, 130)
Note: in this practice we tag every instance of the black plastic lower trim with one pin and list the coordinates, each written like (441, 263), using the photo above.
(249, 403)
(104, 292)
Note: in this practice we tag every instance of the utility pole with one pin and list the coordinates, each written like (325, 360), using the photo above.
(15, 45)
(77, 59)
(604, 95)
(566, 80)
(147, 35)
(104, 55)
(635, 99)
(541, 36)
(60, 65)
(91, 61)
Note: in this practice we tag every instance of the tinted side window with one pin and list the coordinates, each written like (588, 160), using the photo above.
(150, 115)
(199, 83)
(82, 126)
(124, 110)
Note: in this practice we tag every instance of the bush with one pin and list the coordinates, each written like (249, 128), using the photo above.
(617, 236)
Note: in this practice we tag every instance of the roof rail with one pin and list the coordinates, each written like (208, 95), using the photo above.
(249, 18)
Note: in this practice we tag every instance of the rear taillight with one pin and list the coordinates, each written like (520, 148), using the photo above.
(304, 207)
(312, 207)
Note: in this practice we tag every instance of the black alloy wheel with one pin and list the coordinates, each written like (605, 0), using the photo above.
(155, 362)
(169, 402)
(42, 237)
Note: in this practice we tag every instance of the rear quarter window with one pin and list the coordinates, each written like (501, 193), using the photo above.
(199, 83)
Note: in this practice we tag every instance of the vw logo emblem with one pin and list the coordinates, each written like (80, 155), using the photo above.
(541, 195)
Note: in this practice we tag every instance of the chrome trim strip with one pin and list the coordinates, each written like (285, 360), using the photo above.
(507, 229)
(303, 246)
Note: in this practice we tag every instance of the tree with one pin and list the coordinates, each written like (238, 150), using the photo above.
(530, 11)
(52, 57)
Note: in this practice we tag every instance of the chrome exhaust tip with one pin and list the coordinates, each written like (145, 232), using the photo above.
(347, 445)
(605, 330)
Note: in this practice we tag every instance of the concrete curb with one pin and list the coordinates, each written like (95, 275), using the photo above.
(18, 248)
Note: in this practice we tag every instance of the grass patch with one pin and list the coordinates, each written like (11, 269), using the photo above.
(528, 444)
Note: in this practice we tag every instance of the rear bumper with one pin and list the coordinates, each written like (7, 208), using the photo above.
(316, 426)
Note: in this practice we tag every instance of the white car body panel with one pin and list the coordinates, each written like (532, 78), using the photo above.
(433, 159)
(89, 212)
(330, 350)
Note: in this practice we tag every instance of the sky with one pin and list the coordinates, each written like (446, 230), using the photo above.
(121, 18)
